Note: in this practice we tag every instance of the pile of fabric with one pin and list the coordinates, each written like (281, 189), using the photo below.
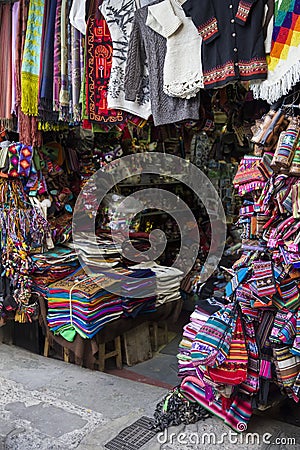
(52, 266)
(167, 279)
(185, 364)
(81, 304)
(138, 292)
(98, 252)
(249, 350)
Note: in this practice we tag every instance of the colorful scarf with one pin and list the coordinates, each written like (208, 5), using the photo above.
(31, 58)
(46, 82)
(57, 57)
(76, 72)
(64, 96)
(28, 128)
(284, 58)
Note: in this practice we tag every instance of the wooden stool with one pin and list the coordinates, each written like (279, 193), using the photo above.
(116, 353)
(66, 351)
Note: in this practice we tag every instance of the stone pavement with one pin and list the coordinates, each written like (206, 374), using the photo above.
(48, 404)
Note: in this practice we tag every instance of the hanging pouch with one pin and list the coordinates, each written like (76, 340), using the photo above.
(211, 345)
(295, 166)
(25, 158)
(287, 366)
(234, 369)
(272, 130)
(13, 155)
(286, 146)
(264, 278)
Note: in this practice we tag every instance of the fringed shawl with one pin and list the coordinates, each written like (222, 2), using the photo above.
(284, 58)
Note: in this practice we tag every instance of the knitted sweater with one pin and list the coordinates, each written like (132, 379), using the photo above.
(119, 15)
(183, 76)
(147, 45)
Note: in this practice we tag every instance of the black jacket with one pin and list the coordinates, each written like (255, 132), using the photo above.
(233, 39)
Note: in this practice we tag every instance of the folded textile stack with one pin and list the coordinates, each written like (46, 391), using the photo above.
(138, 292)
(97, 252)
(185, 364)
(52, 266)
(253, 342)
(168, 281)
(81, 304)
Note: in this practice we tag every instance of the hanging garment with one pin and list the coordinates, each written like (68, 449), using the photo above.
(284, 59)
(57, 57)
(15, 22)
(6, 66)
(145, 45)
(31, 58)
(233, 39)
(99, 52)
(77, 15)
(46, 81)
(183, 76)
(119, 16)
(76, 72)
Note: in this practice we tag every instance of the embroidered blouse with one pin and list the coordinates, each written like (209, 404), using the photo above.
(233, 39)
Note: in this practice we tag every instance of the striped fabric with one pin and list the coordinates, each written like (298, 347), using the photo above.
(296, 388)
(296, 344)
(290, 296)
(211, 345)
(287, 366)
(295, 166)
(236, 281)
(284, 328)
(296, 201)
(234, 369)
(251, 384)
(237, 415)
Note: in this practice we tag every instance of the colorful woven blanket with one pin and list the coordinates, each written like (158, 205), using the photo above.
(284, 58)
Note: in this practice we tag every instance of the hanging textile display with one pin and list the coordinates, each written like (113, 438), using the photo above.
(232, 351)
(147, 45)
(22, 229)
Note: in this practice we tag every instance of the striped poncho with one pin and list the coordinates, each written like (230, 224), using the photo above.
(284, 58)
